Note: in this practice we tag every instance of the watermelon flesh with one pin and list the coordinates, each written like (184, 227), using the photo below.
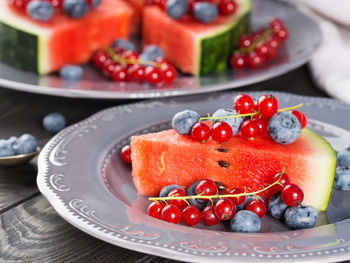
(44, 47)
(164, 158)
(194, 47)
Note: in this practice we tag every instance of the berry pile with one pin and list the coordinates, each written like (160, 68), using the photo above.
(249, 119)
(43, 10)
(204, 11)
(202, 202)
(342, 172)
(24, 144)
(260, 46)
(124, 64)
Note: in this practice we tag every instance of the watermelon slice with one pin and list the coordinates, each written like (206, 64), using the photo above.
(44, 47)
(194, 47)
(164, 158)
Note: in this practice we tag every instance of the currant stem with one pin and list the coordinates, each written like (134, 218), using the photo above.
(210, 197)
(247, 114)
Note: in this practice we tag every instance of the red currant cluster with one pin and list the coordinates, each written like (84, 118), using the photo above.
(225, 7)
(221, 207)
(56, 4)
(124, 65)
(259, 47)
(258, 113)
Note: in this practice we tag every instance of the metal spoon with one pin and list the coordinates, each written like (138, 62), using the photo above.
(15, 160)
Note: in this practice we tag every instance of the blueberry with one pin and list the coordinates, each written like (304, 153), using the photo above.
(284, 128)
(343, 157)
(166, 189)
(183, 121)
(245, 222)
(95, 3)
(342, 179)
(75, 8)
(276, 206)
(54, 122)
(176, 8)
(300, 217)
(25, 144)
(40, 10)
(191, 190)
(247, 199)
(11, 140)
(205, 12)
(71, 72)
(6, 148)
(151, 52)
(235, 123)
(125, 44)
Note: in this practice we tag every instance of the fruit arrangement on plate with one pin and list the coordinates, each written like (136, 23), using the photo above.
(45, 36)
(235, 165)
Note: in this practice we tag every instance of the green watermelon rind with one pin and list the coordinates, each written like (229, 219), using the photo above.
(328, 167)
(215, 47)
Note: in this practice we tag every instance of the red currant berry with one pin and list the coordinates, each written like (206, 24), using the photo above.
(273, 42)
(99, 58)
(191, 215)
(58, 4)
(301, 117)
(160, 3)
(224, 209)
(276, 23)
(171, 214)
(169, 74)
(153, 75)
(118, 50)
(201, 132)
(108, 66)
(208, 216)
(243, 104)
(282, 34)
(155, 209)
(262, 49)
(283, 181)
(237, 200)
(245, 41)
(221, 132)
(238, 61)
(206, 187)
(258, 207)
(119, 73)
(136, 73)
(249, 129)
(255, 60)
(162, 60)
(292, 195)
(125, 154)
(268, 105)
(130, 55)
(177, 202)
(19, 4)
(227, 7)
(257, 35)
(262, 124)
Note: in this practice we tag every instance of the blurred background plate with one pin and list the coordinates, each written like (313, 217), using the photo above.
(303, 39)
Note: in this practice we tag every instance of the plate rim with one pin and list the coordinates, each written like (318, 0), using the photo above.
(62, 210)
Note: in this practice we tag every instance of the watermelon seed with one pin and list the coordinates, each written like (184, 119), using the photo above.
(223, 150)
(220, 186)
(223, 164)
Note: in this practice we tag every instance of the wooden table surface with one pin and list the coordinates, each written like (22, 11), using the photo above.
(30, 229)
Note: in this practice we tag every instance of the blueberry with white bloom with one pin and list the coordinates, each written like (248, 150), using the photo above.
(6, 148)
(342, 179)
(176, 8)
(11, 140)
(284, 128)
(95, 3)
(71, 72)
(235, 123)
(168, 188)
(40, 10)
(54, 122)
(183, 121)
(205, 12)
(25, 144)
(245, 222)
(151, 52)
(276, 206)
(125, 44)
(300, 217)
(247, 199)
(343, 158)
(75, 8)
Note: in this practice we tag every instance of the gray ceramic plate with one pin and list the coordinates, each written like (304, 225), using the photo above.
(303, 40)
(82, 176)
